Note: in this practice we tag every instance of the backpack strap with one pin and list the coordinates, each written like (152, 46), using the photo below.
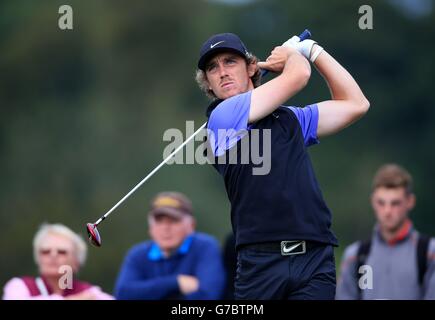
(361, 258)
(422, 248)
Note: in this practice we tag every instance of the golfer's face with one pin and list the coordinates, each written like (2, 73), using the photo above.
(391, 206)
(54, 252)
(229, 75)
(169, 232)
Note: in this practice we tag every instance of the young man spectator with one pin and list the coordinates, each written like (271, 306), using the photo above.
(401, 261)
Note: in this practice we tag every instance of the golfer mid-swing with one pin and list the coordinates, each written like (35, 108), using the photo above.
(281, 222)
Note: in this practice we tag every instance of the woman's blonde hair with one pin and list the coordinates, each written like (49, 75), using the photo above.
(80, 248)
(201, 77)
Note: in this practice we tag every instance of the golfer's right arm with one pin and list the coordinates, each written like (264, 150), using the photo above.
(347, 103)
(296, 72)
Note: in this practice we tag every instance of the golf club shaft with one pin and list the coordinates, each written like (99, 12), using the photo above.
(150, 174)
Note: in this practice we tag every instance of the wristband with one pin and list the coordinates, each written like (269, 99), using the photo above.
(316, 53)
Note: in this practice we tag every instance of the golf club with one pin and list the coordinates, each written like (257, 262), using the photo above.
(91, 228)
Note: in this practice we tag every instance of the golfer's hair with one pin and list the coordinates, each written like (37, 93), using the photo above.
(201, 77)
(80, 248)
(392, 176)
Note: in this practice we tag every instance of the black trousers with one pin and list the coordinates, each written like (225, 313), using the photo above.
(263, 275)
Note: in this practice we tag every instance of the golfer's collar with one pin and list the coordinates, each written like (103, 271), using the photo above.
(156, 254)
(212, 106)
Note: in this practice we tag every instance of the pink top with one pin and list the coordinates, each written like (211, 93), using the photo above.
(17, 289)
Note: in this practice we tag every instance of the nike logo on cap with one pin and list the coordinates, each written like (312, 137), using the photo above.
(215, 44)
(290, 249)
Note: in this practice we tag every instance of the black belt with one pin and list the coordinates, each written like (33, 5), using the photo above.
(286, 248)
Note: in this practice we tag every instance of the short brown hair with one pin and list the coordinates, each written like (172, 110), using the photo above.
(201, 77)
(392, 176)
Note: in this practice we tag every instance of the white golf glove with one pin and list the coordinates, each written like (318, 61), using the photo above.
(304, 47)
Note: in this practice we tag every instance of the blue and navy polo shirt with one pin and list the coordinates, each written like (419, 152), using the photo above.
(286, 203)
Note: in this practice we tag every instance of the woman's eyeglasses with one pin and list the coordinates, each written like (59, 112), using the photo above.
(58, 251)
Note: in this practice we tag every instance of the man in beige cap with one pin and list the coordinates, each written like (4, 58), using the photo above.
(178, 263)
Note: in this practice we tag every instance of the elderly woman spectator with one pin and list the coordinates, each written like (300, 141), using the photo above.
(59, 253)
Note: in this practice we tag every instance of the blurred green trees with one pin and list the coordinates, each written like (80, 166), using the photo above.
(83, 113)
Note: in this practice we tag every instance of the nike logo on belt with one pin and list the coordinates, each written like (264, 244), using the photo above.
(290, 249)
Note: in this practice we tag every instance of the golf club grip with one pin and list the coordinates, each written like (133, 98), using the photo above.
(306, 34)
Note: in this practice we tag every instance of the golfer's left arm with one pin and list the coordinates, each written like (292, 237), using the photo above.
(347, 103)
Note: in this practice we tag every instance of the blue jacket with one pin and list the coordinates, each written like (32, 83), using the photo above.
(147, 275)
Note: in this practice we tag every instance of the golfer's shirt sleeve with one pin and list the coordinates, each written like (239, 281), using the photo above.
(308, 118)
(228, 123)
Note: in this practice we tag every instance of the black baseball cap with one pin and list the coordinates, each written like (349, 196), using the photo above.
(219, 43)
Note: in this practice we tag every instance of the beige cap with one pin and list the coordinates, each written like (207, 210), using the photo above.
(174, 204)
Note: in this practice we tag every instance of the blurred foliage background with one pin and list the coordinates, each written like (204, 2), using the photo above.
(83, 112)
